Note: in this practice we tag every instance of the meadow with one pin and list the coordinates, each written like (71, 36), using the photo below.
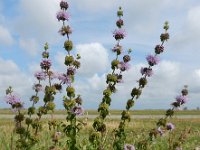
(137, 130)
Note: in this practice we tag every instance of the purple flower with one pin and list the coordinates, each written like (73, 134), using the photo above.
(123, 66)
(119, 34)
(62, 15)
(65, 30)
(64, 5)
(160, 131)
(71, 71)
(181, 99)
(152, 60)
(53, 75)
(120, 23)
(40, 75)
(170, 126)
(12, 99)
(146, 71)
(64, 78)
(45, 64)
(129, 147)
(117, 49)
(159, 49)
(77, 110)
(15, 101)
(37, 87)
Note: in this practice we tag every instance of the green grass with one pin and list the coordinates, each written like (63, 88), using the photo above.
(137, 130)
(118, 112)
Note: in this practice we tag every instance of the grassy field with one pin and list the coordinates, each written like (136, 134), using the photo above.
(137, 130)
(118, 112)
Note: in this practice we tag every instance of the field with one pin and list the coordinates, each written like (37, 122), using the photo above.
(137, 130)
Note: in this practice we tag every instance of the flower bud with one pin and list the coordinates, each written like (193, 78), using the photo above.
(164, 37)
(126, 58)
(50, 106)
(70, 91)
(68, 45)
(120, 12)
(107, 92)
(114, 64)
(31, 110)
(129, 104)
(142, 82)
(136, 92)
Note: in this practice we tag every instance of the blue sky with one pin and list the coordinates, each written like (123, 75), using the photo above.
(25, 25)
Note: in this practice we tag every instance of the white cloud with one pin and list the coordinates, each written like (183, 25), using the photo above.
(5, 36)
(94, 58)
(29, 45)
(11, 75)
(38, 19)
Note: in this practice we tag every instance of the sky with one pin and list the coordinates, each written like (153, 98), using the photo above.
(25, 25)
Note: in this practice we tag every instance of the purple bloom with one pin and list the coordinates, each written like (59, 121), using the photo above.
(62, 15)
(129, 147)
(12, 99)
(53, 75)
(65, 30)
(64, 5)
(15, 101)
(123, 66)
(64, 78)
(45, 64)
(181, 99)
(77, 110)
(170, 126)
(160, 131)
(117, 49)
(152, 60)
(159, 49)
(120, 23)
(71, 71)
(37, 87)
(119, 34)
(146, 71)
(40, 75)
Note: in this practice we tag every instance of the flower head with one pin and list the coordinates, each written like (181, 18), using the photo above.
(65, 78)
(146, 71)
(41, 75)
(120, 23)
(15, 101)
(117, 49)
(119, 34)
(62, 15)
(152, 60)
(77, 110)
(65, 30)
(71, 71)
(129, 147)
(45, 64)
(170, 126)
(160, 131)
(181, 99)
(123, 66)
(159, 49)
(64, 5)
(37, 87)
(45, 54)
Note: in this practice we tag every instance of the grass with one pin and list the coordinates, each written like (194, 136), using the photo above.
(137, 130)
(118, 112)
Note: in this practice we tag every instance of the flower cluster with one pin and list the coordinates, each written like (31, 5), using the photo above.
(13, 99)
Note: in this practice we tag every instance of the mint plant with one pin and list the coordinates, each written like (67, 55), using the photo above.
(71, 102)
(120, 134)
(97, 137)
